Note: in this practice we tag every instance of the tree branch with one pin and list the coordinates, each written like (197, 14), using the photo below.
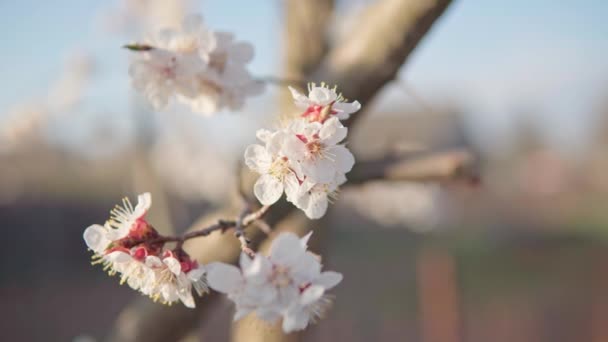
(376, 50)
(428, 166)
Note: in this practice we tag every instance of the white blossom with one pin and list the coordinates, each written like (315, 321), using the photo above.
(317, 150)
(306, 159)
(171, 280)
(125, 219)
(125, 246)
(277, 172)
(162, 74)
(319, 98)
(195, 66)
(314, 198)
(288, 283)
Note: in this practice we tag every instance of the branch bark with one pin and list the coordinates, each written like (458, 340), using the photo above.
(429, 166)
(376, 50)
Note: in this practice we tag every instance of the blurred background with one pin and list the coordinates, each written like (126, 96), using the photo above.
(516, 253)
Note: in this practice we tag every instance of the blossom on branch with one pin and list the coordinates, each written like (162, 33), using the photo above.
(287, 284)
(126, 245)
(307, 158)
(196, 66)
(323, 102)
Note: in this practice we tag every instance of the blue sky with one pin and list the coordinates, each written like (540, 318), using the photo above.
(491, 55)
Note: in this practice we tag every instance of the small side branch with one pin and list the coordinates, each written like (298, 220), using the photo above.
(432, 166)
(245, 219)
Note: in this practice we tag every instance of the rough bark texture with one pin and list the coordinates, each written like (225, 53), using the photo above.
(378, 47)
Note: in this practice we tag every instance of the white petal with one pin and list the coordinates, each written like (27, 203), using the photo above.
(344, 109)
(223, 277)
(187, 299)
(196, 273)
(259, 267)
(301, 101)
(317, 205)
(306, 269)
(292, 187)
(294, 149)
(268, 189)
(312, 294)
(328, 279)
(343, 158)
(321, 170)
(144, 200)
(332, 131)
(295, 320)
(96, 239)
(275, 144)
(322, 96)
(118, 257)
(153, 261)
(263, 134)
(173, 264)
(286, 249)
(257, 158)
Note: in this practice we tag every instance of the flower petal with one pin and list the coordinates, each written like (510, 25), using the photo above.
(173, 264)
(344, 109)
(317, 205)
(257, 158)
(322, 96)
(332, 131)
(343, 158)
(321, 170)
(224, 278)
(311, 294)
(286, 249)
(268, 189)
(329, 279)
(95, 237)
(300, 100)
(295, 320)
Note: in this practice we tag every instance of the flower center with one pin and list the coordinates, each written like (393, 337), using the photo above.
(280, 276)
(279, 168)
(314, 149)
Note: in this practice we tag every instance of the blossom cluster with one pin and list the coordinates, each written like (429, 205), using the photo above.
(306, 158)
(195, 66)
(287, 284)
(125, 245)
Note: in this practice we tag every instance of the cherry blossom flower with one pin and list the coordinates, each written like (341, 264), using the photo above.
(231, 280)
(161, 75)
(277, 172)
(125, 245)
(226, 82)
(312, 303)
(288, 283)
(195, 66)
(314, 198)
(316, 149)
(172, 280)
(323, 102)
